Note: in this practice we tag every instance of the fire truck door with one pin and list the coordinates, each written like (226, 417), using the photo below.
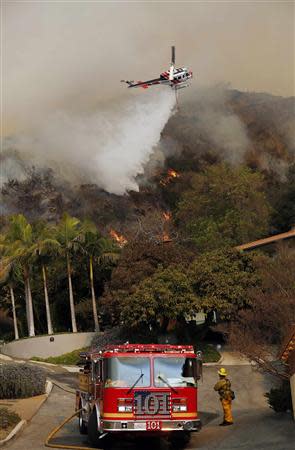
(97, 378)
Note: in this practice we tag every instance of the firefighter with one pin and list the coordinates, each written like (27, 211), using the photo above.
(223, 387)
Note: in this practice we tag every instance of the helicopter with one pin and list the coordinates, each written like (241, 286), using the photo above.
(175, 78)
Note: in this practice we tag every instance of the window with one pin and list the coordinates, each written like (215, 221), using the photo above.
(176, 372)
(125, 371)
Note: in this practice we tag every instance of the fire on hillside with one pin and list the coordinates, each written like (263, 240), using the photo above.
(171, 175)
(167, 215)
(119, 238)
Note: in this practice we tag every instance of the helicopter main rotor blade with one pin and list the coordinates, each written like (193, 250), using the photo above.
(173, 54)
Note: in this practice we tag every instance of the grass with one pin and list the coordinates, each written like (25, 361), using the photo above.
(8, 420)
(68, 359)
(210, 354)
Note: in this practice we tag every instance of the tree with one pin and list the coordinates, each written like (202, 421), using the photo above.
(46, 247)
(7, 275)
(20, 247)
(221, 280)
(100, 248)
(225, 207)
(166, 295)
(67, 234)
(259, 331)
(139, 260)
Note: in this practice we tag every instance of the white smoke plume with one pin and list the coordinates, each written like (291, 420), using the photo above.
(108, 147)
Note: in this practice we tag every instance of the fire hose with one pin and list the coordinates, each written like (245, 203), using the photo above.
(60, 426)
(57, 429)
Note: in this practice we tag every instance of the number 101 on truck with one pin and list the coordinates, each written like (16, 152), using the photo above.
(139, 389)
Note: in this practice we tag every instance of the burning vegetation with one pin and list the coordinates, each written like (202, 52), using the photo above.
(167, 215)
(171, 175)
(119, 238)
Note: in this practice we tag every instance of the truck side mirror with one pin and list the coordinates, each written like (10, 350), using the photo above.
(199, 366)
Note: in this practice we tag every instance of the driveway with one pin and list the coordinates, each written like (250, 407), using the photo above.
(255, 427)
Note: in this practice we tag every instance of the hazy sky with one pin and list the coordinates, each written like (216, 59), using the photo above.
(72, 54)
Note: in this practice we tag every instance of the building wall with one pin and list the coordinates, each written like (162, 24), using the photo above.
(45, 346)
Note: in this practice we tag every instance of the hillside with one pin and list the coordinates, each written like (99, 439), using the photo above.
(213, 125)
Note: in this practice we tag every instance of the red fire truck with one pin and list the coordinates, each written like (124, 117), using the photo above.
(140, 389)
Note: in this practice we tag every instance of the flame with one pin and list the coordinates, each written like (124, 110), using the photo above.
(171, 174)
(118, 238)
(166, 237)
(167, 216)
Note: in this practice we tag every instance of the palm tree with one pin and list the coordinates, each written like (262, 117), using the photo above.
(98, 247)
(7, 276)
(19, 245)
(46, 247)
(67, 234)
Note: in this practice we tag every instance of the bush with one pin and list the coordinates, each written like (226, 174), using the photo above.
(8, 418)
(210, 354)
(69, 359)
(21, 381)
(279, 399)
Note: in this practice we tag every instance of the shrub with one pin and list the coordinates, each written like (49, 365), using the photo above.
(279, 399)
(21, 381)
(8, 418)
(70, 358)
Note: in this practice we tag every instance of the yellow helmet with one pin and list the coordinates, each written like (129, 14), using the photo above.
(222, 372)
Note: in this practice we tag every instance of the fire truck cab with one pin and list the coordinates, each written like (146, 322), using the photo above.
(139, 389)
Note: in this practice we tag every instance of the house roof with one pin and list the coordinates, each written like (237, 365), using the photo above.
(289, 345)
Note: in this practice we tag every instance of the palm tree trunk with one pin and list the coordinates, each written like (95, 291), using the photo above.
(72, 305)
(27, 305)
(16, 335)
(31, 312)
(94, 307)
(48, 316)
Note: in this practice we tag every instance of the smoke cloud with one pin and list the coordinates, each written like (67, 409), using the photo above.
(108, 147)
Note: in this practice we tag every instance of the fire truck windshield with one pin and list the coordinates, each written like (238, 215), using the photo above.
(177, 372)
(125, 371)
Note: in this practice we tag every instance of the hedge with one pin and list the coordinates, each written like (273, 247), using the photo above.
(21, 380)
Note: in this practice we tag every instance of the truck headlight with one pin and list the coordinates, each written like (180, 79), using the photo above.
(125, 405)
(179, 408)
(124, 408)
(179, 405)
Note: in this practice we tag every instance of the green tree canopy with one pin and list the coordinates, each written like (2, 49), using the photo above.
(222, 279)
(218, 280)
(167, 294)
(226, 206)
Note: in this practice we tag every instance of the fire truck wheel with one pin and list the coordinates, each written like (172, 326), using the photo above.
(82, 424)
(93, 433)
(179, 439)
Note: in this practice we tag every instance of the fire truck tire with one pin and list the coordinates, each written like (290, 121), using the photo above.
(94, 434)
(180, 439)
(82, 425)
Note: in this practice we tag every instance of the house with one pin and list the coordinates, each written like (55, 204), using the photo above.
(288, 357)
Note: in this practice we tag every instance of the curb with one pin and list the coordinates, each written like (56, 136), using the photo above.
(42, 363)
(217, 363)
(19, 427)
(16, 430)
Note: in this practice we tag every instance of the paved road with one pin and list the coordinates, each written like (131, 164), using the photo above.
(256, 426)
